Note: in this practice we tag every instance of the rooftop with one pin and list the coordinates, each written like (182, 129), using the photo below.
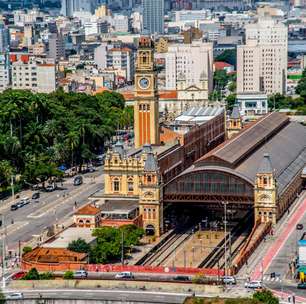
(88, 210)
(69, 235)
(119, 206)
(54, 255)
(284, 141)
(199, 115)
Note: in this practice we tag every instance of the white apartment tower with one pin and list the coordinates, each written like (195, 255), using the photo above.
(36, 76)
(190, 64)
(262, 61)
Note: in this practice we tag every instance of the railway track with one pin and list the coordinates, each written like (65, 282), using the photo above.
(215, 256)
(175, 241)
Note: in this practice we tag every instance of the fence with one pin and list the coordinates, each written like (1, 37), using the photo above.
(26, 265)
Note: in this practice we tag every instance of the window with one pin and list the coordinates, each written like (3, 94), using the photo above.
(130, 186)
(149, 178)
(116, 185)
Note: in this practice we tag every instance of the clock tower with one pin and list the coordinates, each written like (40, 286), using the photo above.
(146, 115)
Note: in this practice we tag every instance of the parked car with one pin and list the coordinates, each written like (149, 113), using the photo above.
(14, 207)
(301, 285)
(80, 274)
(50, 188)
(181, 278)
(253, 284)
(124, 275)
(230, 280)
(25, 201)
(15, 296)
(78, 180)
(35, 195)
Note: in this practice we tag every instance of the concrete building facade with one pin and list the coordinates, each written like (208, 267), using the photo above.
(190, 64)
(32, 75)
(153, 16)
(262, 61)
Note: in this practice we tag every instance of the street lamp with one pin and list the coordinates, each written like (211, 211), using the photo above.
(225, 236)
(3, 252)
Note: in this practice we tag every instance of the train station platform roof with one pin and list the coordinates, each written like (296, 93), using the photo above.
(274, 134)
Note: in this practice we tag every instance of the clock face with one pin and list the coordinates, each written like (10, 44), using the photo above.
(144, 83)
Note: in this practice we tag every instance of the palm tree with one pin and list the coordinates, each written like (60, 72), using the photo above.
(72, 141)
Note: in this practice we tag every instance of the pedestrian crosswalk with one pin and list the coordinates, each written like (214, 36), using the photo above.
(268, 278)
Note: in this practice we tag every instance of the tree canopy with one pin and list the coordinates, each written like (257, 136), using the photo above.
(79, 245)
(40, 132)
(109, 242)
(229, 56)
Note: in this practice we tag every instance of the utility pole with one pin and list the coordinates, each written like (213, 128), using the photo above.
(3, 253)
(225, 236)
(12, 188)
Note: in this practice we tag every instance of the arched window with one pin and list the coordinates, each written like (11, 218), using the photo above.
(116, 185)
(130, 185)
(265, 181)
(149, 178)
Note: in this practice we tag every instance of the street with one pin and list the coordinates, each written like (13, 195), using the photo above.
(110, 295)
(30, 220)
(275, 254)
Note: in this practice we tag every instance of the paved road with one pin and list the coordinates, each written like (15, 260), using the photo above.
(111, 295)
(280, 250)
(24, 223)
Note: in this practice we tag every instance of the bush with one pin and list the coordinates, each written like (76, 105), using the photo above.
(32, 275)
(68, 275)
(46, 276)
(265, 296)
(27, 249)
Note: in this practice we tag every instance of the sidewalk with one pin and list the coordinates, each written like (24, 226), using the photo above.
(255, 260)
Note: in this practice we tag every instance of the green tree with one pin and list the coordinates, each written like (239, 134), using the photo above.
(68, 275)
(230, 101)
(32, 275)
(79, 245)
(40, 132)
(109, 242)
(2, 298)
(27, 249)
(229, 56)
(265, 296)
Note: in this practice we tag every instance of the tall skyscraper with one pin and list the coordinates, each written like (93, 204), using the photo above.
(56, 47)
(4, 38)
(71, 6)
(262, 61)
(153, 16)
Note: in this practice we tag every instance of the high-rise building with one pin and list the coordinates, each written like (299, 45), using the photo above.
(262, 61)
(153, 16)
(189, 65)
(56, 46)
(71, 6)
(4, 38)
(4, 72)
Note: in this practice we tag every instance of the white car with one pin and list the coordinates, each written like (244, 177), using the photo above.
(124, 275)
(253, 284)
(230, 280)
(15, 296)
(80, 274)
